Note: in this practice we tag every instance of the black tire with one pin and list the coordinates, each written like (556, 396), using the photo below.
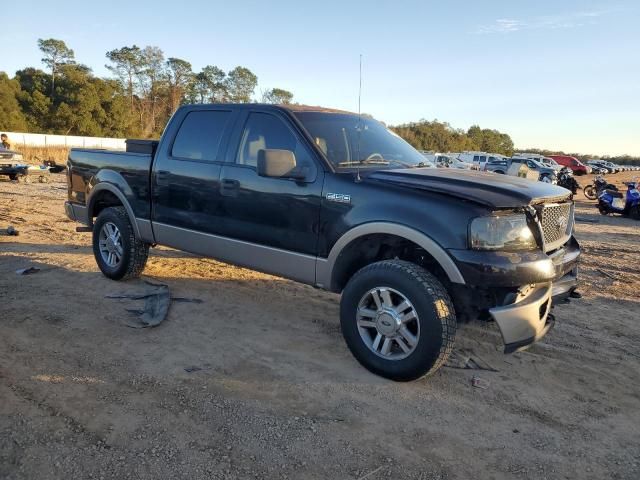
(135, 251)
(13, 176)
(603, 209)
(429, 299)
(590, 192)
(634, 212)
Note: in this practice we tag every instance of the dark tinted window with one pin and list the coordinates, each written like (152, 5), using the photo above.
(264, 131)
(349, 140)
(199, 135)
(483, 158)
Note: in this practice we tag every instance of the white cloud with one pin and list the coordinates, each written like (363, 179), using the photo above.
(545, 22)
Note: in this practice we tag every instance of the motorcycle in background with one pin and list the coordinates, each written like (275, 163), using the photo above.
(599, 184)
(566, 180)
(612, 201)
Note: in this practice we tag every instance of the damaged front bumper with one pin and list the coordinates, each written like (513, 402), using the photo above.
(534, 279)
(525, 321)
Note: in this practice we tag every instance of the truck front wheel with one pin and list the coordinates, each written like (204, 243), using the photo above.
(398, 320)
(119, 254)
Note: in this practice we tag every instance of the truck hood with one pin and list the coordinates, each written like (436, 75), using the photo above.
(490, 189)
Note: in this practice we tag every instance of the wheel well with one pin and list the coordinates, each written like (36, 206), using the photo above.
(381, 246)
(103, 200)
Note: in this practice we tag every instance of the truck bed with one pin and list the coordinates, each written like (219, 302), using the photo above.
(129, 171)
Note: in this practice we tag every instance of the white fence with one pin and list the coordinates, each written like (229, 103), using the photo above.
(46, 140)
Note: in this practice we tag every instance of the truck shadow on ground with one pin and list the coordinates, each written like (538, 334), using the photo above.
(6, 245)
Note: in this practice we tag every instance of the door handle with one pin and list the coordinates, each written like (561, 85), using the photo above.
(229, 187)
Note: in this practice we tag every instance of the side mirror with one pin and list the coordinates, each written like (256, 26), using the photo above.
(278, 164)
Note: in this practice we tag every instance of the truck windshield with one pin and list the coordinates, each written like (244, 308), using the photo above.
(349, 140)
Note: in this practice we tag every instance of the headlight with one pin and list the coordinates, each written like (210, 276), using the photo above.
(18, 157)
(501, 232)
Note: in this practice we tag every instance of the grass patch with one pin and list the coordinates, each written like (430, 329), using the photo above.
(36, 155)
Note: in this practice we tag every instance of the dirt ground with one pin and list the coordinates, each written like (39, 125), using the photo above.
(256, 381)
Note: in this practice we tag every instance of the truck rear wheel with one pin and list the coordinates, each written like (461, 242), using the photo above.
(119, 254)
(398, 320)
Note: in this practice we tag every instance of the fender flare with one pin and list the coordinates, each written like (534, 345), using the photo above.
(325, 267)
(100, 187)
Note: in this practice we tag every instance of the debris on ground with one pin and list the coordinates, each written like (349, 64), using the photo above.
(27, 271)
(467, 359)
(157, 300)
(186, 300)
(479, 383)
(192, 369)
(586, 220)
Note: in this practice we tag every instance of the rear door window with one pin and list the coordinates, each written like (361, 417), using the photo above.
(200, 135)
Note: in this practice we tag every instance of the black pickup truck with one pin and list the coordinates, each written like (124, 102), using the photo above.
(335, 200)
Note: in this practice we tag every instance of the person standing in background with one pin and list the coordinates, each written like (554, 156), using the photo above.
(6, 144)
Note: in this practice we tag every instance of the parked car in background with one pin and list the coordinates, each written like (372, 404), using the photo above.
(609, 167)
(545, 173)
(479, 159)
(546, 161)
(576, 166)
(597, 168)
(442, 160)
(514, 166)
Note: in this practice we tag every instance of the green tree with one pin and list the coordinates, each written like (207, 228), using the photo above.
(127, 63)
(208, 86)
(179, 77)
(33, 98)
(277, 96)
(152, 83)
(11, 116)
(56, 53)
(240, 84)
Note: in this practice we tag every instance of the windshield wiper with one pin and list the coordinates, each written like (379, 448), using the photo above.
(363, 162)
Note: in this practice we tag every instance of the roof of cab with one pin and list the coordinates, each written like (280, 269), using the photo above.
(289, 107)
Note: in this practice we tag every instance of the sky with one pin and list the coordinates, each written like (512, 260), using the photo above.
(551, 73)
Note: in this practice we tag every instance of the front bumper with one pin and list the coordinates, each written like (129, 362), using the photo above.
(538, 278)
(514, 269)
(525, 321)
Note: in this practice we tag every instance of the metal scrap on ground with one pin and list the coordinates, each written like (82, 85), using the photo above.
(467, 359)
(157, 301)
(27, 271)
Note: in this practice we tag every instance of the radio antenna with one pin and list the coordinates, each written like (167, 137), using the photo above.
(359, 128)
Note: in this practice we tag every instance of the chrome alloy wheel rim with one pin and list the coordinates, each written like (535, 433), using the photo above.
(388, 323)
(110, 244)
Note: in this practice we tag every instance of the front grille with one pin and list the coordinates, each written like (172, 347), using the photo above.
(556, 222)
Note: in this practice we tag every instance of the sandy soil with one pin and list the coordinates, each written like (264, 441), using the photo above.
(277, 394)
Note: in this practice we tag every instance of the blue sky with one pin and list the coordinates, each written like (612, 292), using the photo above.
(552, 74)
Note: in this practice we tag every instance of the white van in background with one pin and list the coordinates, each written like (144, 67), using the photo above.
(480, 158)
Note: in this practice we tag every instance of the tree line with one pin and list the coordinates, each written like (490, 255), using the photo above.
(442, 137)
(146, 88)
